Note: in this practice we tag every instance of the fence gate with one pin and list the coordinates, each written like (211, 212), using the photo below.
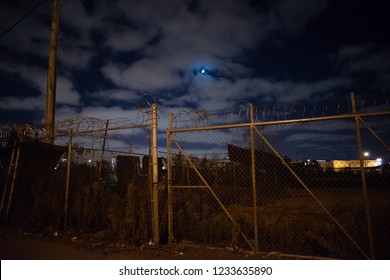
(210, 198)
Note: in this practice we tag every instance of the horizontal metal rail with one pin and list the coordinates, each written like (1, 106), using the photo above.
(238, 125)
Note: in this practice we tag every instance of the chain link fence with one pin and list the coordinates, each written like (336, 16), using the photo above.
(289, 179)
(94, 180)
(290, 186)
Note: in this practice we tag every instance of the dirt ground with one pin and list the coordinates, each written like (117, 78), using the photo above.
(23, 246)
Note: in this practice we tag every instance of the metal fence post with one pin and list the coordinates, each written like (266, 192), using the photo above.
(363, 177)
(154, 154)
(169, 179)
(13, 180)
(69, 159)
(11, 161)
(103, 150)
(253, 173)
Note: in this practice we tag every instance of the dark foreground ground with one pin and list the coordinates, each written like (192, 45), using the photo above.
(23, 246)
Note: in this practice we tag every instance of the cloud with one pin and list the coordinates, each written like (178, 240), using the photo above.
(153, 47)
(327, 87)
(74, 56)
(31, 36)
(65, 113)
(117, 94)
(352, 51)
(368, 58)
(172, 40)
(36, 77)
(146, 74)
(209, 93)
(293, 15)
(66, 95)
(318, 137)
(365, 57)
(25, 103)
(216, 34)
(376, 62)
(213, 32)
(111, 113)
(127, 39)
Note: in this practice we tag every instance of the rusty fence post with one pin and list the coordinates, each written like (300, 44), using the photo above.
(363, 177)
(13, 180)
(10, 165)
(169, 181)
(253, 173)
(68, 169)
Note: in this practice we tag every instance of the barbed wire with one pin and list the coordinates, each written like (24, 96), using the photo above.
(82, 125)
(83, 128)
(143, 117)
(23, 131)
(78, 125)
(278, 111)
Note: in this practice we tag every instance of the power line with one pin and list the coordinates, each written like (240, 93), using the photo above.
(23, 17)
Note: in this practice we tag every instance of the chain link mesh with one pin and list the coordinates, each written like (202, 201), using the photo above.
(92, 181)
(279, 185)
(309, 198)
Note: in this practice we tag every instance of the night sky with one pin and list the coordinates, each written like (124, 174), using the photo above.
(110, 53)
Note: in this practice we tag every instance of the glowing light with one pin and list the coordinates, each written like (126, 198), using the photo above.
(366, 154)
(203, 71)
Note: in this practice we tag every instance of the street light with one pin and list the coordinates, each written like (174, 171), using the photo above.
(365, 154)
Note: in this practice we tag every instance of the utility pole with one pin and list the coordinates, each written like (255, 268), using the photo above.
(154, 159)
(51, 74)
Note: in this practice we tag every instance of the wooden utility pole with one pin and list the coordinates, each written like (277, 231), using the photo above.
(51, 74)
(154, 160)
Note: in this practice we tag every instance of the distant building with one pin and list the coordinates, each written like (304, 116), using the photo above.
(341, 165)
